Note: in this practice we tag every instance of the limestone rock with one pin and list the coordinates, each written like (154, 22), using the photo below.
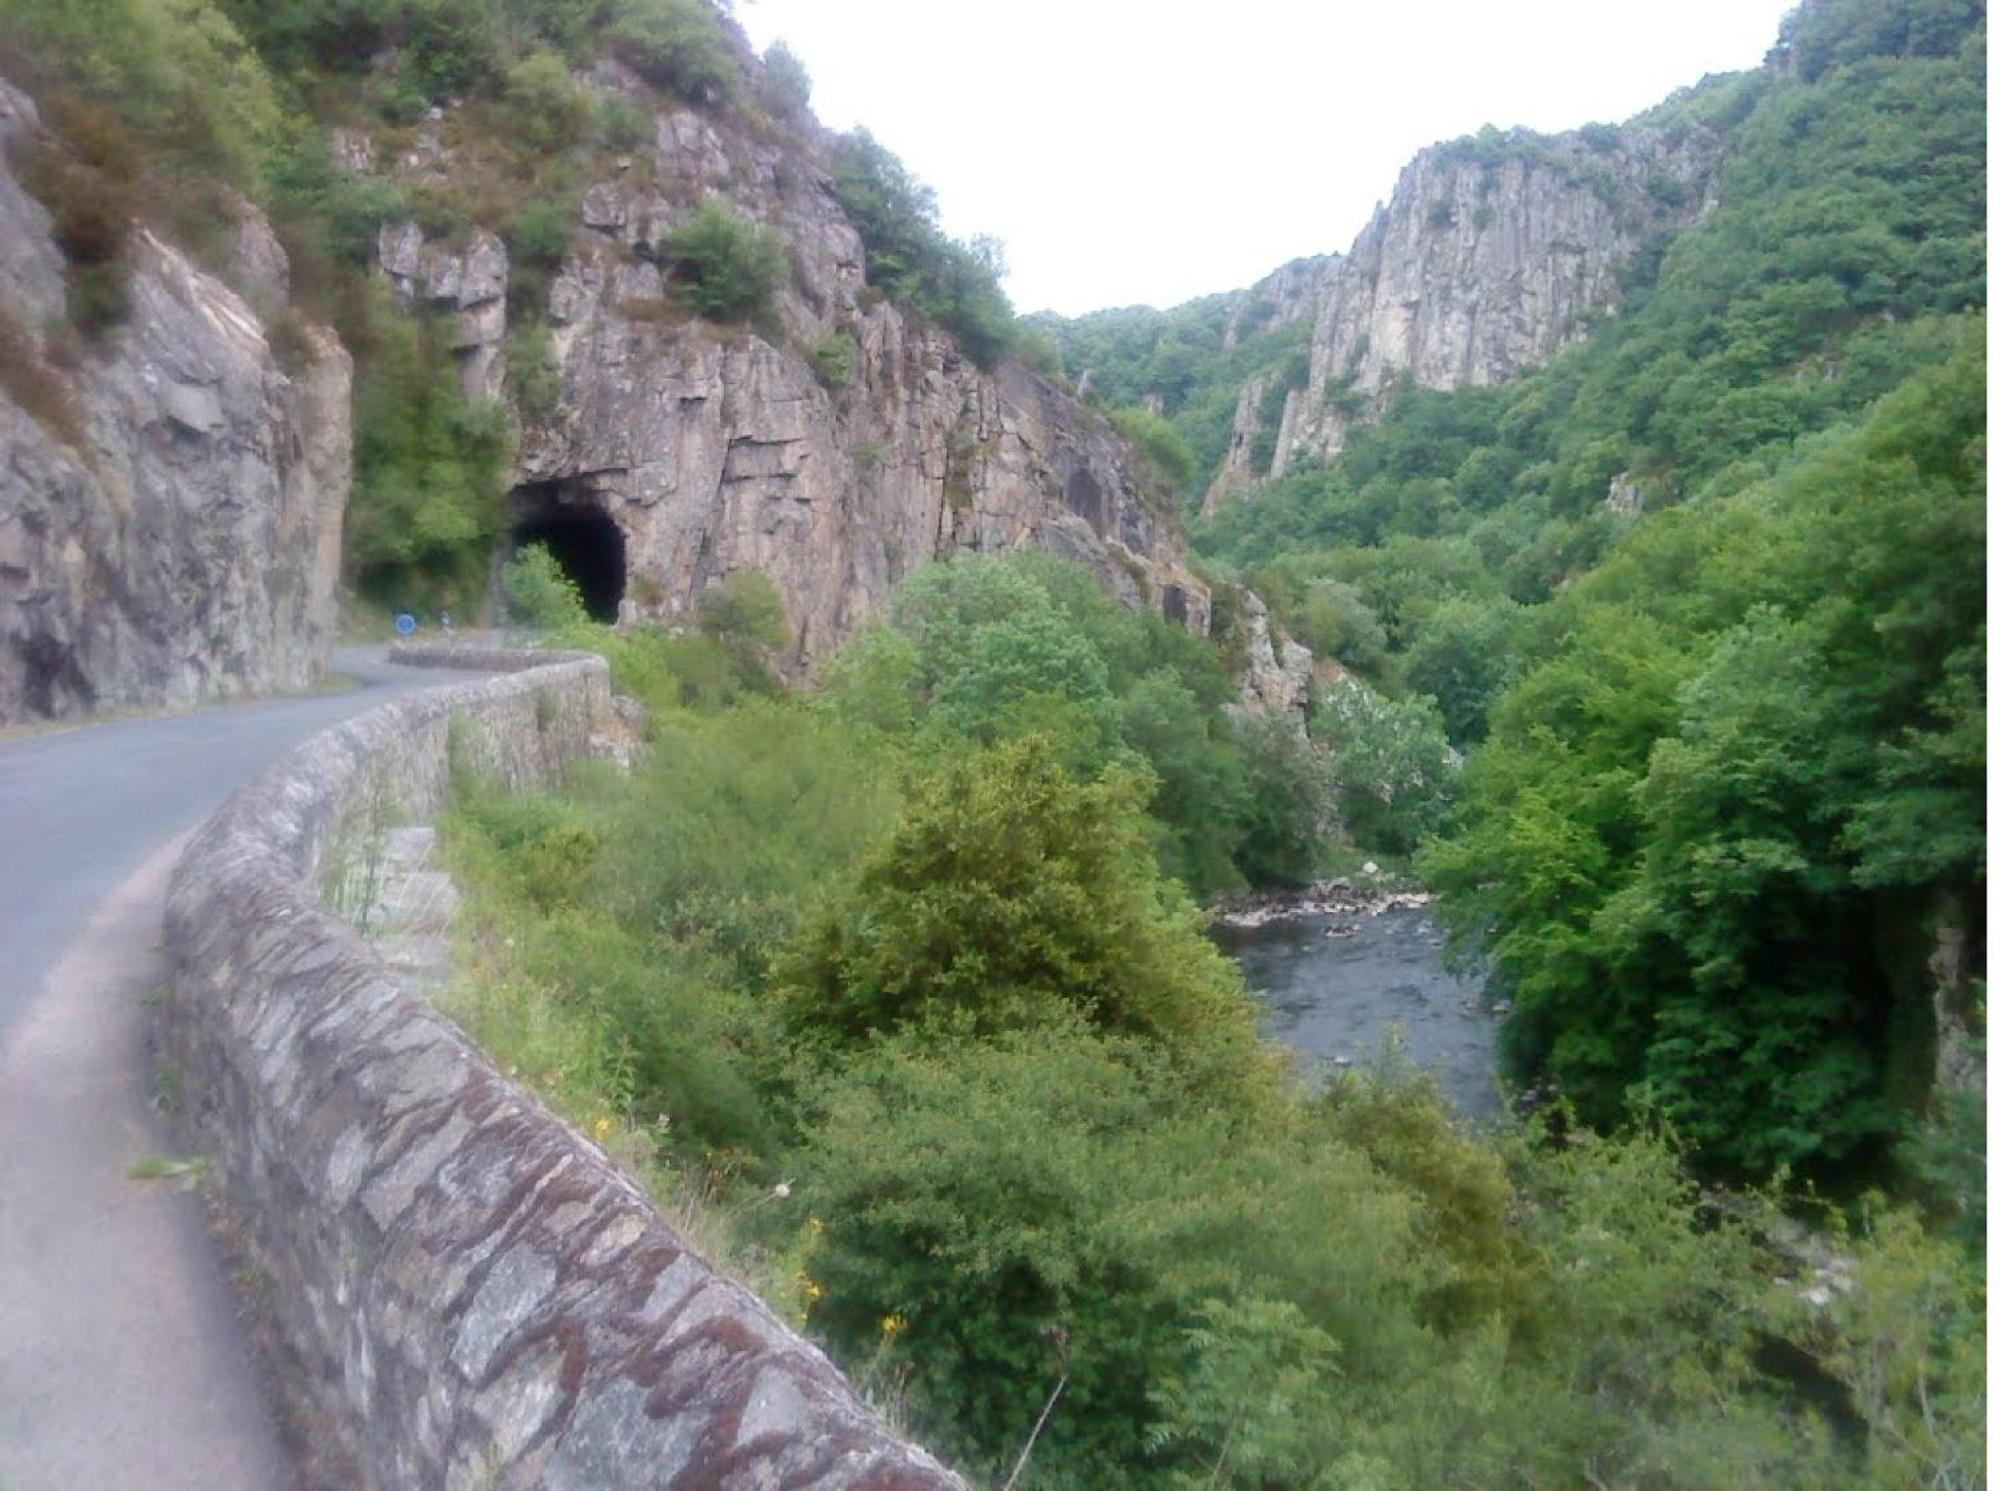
(469, 280)
(176, 535)
(1289, 293)
(1238, 470)
(715, 448)
(1489, 258)
(1277, 678)
(1626, 496)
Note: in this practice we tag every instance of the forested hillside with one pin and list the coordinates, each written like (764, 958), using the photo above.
(1703, 599)
(1649, 634)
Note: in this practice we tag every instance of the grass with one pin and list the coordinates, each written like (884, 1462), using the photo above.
(40, 389)
(566, 1056)
(189, 1172)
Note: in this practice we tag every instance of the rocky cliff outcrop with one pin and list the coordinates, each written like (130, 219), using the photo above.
(1493, 254)
(170, 498)
(1288, 293)
(835, 446)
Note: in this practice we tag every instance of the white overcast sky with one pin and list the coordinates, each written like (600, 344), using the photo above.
(1144, 153)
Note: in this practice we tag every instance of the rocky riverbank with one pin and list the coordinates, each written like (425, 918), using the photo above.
(1336, 897)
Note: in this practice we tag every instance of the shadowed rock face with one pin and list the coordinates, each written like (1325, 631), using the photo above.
(718, 448)
(177, 536)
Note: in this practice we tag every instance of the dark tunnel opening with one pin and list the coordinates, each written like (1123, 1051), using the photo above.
(585, 541)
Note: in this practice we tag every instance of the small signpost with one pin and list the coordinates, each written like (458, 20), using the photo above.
(405, 624)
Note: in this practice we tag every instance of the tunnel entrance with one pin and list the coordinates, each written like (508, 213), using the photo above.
(583, 539)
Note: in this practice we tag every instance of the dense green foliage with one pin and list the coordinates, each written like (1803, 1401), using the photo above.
(1755, 740)
(912, 260)
(726, 266)
(1735, 745)
(539, 593)
(939, 988)
(979, 651)
(429, 472)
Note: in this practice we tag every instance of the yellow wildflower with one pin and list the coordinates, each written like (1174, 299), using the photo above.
(602, 1128)
(893, 1326)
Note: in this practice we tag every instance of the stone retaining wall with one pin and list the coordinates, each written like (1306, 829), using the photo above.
(472, 1293)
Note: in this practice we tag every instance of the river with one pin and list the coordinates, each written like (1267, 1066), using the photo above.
(1333, 999)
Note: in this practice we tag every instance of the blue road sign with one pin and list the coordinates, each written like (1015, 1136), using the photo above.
(405, 624)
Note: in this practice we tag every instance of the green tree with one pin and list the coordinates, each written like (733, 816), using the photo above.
(1010, 895)
(1393, 769)
(727, 267)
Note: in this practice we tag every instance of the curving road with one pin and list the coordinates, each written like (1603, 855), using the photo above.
(122, 1364)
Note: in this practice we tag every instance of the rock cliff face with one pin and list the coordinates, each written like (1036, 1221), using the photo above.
(701, 449)
(1288, 293)
(1492, 255)
(170, 500)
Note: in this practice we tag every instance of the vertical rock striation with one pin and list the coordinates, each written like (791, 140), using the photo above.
(170, 499)
(836, 445)
(1493, 253)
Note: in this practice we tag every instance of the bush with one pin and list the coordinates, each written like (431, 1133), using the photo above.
(745, 616)
(532, 374)
(621, 124)
(1393, 769)
(832, 360)
(786, 83)
(1012, 895)
(93, 196)
(724, 265)
(538, 235)
(987, 1216)
(542, 594)
(678, 44)
(544, 107)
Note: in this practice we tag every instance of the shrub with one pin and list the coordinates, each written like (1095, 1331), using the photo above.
(832, 360)
(1012, 895)
(1393, 768)
(542, 594)
(538, 235)
(786, 83)
(35, 386)
(678, 44)
(92, 193)
(532, 374)
(621, 124)
(990, 1215)
(544, 106)
(745, 616)
(724, 265)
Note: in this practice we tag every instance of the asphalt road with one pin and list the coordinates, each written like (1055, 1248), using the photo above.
(122, 1362)
(81, 809)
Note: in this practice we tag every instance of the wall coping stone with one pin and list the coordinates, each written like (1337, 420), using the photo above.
(468, 1291)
